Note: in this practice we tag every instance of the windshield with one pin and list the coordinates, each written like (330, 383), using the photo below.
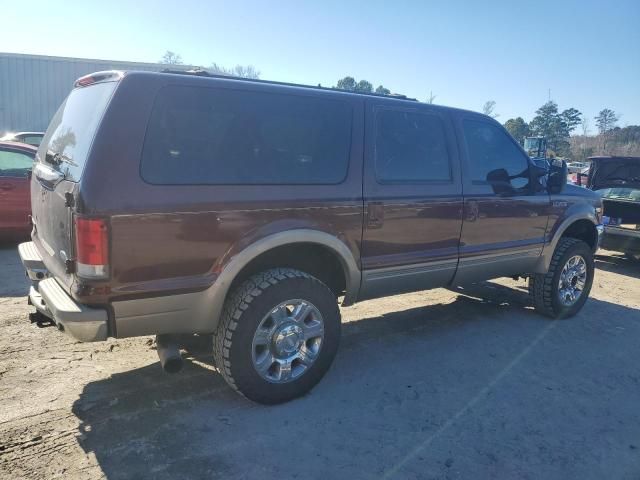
(533, 146)
(66, 143)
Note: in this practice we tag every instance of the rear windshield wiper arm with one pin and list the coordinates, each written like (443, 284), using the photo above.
(57, 158)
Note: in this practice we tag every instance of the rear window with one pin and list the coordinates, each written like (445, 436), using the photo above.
(73, 127)
(32, 139)
(217, 136)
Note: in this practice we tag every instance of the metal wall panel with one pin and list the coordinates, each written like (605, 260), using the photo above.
(32, 87)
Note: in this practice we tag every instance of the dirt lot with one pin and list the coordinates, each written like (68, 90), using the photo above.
(440, 384)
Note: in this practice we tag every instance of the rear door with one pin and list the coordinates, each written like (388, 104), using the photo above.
(15, 166)
(413, 199)
(60, 161)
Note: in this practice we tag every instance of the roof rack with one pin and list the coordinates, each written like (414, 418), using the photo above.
(200, 72)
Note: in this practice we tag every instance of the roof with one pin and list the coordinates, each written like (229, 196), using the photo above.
(613, 157)
(204, 75)
(15, 134)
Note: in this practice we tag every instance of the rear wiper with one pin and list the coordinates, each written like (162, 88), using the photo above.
(57, 158)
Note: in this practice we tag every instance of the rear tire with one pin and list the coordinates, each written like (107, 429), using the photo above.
(278, 335)
(555, 294)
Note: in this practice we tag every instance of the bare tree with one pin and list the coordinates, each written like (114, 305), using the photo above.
(171, 58)
(431, 97)
(488, 108)
(248, 71)
(585, 124)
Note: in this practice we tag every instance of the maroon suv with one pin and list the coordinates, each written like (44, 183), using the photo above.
(172, 204)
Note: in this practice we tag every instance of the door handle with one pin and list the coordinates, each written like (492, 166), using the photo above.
(375, 215)
(471, 211)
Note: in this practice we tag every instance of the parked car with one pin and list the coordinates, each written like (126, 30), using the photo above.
(617, 180)
(245, 209)
(30, 138)
(16, 161)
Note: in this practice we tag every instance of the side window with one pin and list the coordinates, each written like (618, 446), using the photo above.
(14, 164)
(219, 136)
(410, 147)
(490, 149)
(32, 140)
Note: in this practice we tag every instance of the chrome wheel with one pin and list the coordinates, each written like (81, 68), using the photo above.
(573, 279)
(287, 341)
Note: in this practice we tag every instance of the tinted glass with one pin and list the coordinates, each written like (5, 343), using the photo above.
(73, 127)
(220, 136)
(410, 147)
(616, 171)
(490, 148)
(14, 164)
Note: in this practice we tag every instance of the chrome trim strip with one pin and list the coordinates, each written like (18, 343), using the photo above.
(498, 257)
(407, 270)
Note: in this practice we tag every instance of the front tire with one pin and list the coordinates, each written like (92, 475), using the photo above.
(278, 335)
(563, 290)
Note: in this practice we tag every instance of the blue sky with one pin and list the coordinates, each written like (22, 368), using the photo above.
(587, 52)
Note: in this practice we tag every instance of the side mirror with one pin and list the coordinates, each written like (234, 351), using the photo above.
(500, 182)
(537, 171)
(558, 172)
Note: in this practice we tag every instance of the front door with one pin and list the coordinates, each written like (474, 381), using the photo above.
(413, 199)
(505, 215)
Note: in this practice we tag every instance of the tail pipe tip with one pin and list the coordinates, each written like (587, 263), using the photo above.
(169, 354)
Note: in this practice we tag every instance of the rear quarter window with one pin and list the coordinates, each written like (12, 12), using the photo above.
(199, 135)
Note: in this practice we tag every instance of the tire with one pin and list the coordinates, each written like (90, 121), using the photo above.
(545, 288)
(250, 312)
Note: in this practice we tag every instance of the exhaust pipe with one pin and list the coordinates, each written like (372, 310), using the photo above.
(169, 353)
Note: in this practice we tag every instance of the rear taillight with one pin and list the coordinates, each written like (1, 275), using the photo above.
(92, 248)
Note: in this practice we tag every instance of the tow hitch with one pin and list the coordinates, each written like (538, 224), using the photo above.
(41, 320)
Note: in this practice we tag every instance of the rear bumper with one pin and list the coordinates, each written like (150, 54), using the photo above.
(621, 240)
(84, 323)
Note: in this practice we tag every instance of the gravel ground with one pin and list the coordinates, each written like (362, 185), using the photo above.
(440, 384)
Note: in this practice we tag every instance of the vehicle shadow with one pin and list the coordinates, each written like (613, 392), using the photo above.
(395, 381)
(13, 281)
(618, 263)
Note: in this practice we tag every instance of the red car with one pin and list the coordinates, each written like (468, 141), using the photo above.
(16, 161)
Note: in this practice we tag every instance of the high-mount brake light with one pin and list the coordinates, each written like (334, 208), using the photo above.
(97, 77)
